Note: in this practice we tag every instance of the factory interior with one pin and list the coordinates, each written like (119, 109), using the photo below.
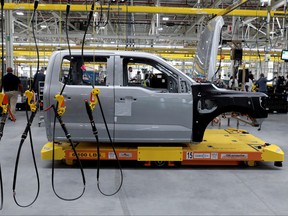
(144, 107)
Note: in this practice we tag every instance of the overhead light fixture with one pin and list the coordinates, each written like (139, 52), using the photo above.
(165, 18)
(119, 1)
(160, 29)
(43, 26)
(20, 13)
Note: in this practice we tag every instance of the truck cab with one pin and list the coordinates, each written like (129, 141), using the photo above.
(164, 106)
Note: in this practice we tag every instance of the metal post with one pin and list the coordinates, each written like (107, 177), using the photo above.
(9, 29)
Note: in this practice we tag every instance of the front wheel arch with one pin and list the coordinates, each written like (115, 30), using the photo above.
(201, 121)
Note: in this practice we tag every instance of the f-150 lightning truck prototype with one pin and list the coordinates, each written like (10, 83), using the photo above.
(168, 106)
(144, 98)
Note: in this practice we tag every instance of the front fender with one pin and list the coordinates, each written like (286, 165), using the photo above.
(210, 101)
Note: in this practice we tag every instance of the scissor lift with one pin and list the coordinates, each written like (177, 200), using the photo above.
(219, 147)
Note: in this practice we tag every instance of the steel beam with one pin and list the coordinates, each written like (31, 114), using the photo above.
(144, 9)
(231, 7)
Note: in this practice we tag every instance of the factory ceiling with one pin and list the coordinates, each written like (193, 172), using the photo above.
(163, 26)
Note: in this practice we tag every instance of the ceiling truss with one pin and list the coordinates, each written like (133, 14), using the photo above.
(140, 25)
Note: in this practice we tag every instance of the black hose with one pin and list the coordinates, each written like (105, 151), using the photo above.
(2, 123)
(23, 138)
(90, 115)
(95, 132)
(28, 130)
(2, 61)
(69, 47)
(2, 37)
(113, 147)
(1, 188)
(85, 33)
(4, 116)
(36, 45)
(68, 136)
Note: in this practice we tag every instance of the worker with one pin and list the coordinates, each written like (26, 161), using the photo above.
(146, 81)
(136, 78)
(249, 84)
(130, 71)
(12, 85)
(262, 83)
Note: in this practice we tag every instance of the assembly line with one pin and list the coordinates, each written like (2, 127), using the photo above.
(94, 124)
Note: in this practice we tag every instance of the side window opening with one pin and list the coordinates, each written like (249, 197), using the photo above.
(149, 74)
(93, 71)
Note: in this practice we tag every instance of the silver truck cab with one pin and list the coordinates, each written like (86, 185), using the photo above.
(157, 109)
(170, 107)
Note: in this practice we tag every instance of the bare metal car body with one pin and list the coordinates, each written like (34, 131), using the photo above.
(178, 111)
(169, 108)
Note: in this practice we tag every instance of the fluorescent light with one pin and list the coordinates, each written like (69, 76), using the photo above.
(165, 18)
(160, 29)
(20, 13)
(43, 26)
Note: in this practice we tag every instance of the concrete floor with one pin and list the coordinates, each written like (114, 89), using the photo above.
(194, 190)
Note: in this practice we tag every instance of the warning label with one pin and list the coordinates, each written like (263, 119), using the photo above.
(234, 156)
(125, 155)
(214, 156)
(85, 155)
(201, 155)
(111, 155)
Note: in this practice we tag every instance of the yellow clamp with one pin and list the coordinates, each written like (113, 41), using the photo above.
(61, 104)
(93, 98)
(30, 96)
(3, 103)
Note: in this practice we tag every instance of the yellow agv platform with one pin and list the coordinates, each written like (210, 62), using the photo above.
(219, 147)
